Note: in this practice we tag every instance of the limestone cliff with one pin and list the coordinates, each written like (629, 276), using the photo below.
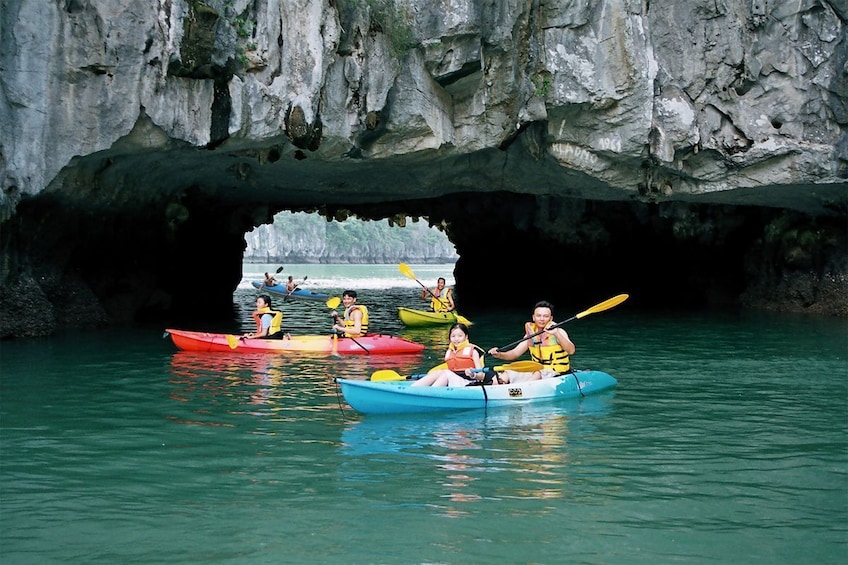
(307, 238)
(142, 140)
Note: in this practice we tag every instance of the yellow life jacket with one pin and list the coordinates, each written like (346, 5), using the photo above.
(441, 303)
(349, 323)
(460, 358)
(276, 321)
(544, 349)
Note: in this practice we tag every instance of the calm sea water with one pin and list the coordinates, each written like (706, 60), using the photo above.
(726, 441)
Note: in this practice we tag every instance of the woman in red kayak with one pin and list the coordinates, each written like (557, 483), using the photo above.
(269, 323)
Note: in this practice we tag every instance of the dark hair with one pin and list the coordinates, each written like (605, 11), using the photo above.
(266, 298)
(456, 325)
(351, 293)
(441, 279)
(544, 304)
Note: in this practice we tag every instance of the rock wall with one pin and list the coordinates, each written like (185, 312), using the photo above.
(150, 137)
(308, 238)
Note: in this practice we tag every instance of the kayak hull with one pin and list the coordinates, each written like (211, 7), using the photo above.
(420, 318)
(377, 344)
(298, 293)
(400, 397)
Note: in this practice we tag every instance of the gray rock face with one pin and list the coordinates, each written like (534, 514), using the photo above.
(678, 98)
(308, 238)
(178, 116)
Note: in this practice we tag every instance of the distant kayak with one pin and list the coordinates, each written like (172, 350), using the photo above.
(418, 318)
(377, 344)
(297, 293)
(398, 397)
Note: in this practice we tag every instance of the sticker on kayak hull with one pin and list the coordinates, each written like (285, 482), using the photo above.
(515, 393)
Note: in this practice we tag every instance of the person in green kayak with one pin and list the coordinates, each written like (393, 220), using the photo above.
(354, 322)
(269, 322)
(462, 360)
(550, 347)
(441, 298)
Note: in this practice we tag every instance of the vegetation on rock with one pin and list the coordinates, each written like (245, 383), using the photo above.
(309, 238)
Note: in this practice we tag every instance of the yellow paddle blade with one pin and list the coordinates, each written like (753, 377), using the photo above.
(438, 367)
(521, 366)
(387, 375)
(334, 302)
(407, 272)
(605, 305)
(463, 320)
(232, 341)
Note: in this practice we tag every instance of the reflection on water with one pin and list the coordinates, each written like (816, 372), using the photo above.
(512, 453)
(225, 380)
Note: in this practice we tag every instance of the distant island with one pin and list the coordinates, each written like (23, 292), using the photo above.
(309, 238)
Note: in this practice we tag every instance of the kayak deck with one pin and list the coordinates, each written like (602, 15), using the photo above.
(398, 397)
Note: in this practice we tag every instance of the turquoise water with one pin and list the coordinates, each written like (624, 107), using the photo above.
(725, 441)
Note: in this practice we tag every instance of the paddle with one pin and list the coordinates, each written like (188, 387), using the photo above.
(296, 287)
(521, 366)
(277, 272)
(332, 304)
(605, 305)
(407, 272)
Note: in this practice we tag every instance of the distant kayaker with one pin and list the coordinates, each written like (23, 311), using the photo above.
(441, 298)
(550, 347)
(291, 285)
(270, 280)
(269, 322)
(462, 358)
(354, 323)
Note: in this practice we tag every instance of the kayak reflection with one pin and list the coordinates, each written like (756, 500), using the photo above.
(409, 433)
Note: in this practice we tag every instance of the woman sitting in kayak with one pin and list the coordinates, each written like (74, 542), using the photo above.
(269, 323)
(462, 359)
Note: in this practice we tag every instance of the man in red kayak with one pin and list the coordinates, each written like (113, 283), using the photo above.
(354, 323)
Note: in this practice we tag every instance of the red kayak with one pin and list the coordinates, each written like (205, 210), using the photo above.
(375, 344)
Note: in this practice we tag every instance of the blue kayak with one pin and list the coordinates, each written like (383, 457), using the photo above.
(399, 397)
(297, 293)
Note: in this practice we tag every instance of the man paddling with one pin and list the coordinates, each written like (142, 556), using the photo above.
(549, 346)
(441, 298)
(354, 322)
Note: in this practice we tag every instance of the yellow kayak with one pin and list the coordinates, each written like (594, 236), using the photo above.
(419, 318)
